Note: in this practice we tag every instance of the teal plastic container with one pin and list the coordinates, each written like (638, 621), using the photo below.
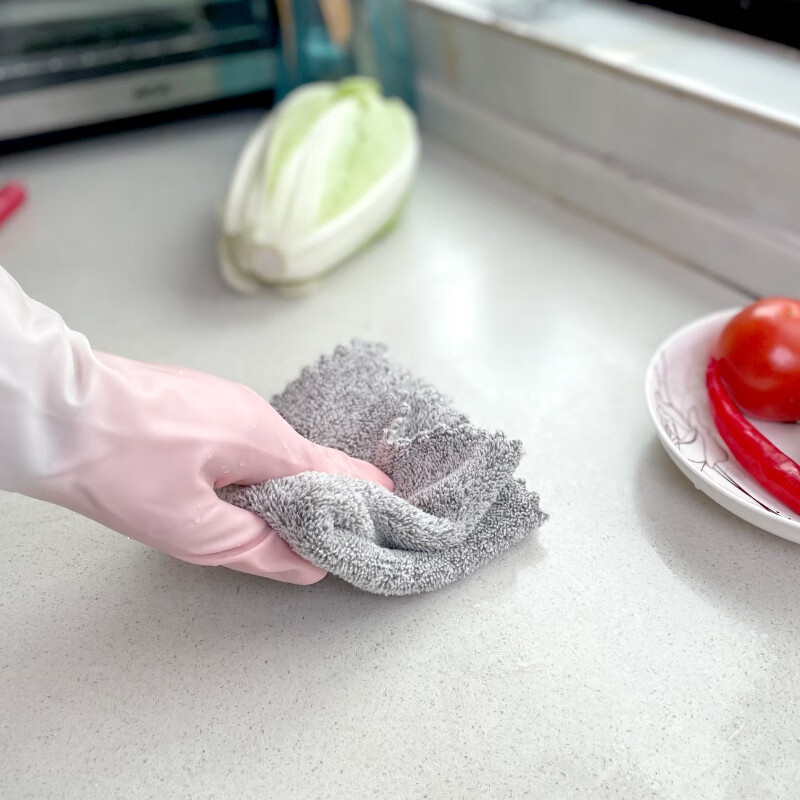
(379, 47)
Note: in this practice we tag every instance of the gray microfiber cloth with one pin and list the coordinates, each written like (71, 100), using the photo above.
(456, 503)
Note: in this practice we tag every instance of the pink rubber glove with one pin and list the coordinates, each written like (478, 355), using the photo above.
(141, 448)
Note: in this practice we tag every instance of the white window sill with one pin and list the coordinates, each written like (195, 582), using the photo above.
(682, 133)
(720, 66)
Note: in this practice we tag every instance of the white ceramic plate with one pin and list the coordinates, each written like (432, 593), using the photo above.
(675, 387)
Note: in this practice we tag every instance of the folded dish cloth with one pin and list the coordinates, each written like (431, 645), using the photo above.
(456, 503)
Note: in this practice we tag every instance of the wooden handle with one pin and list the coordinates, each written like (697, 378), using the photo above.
(288, 38)
(338, 18)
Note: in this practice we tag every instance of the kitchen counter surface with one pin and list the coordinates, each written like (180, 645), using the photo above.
(644, 644)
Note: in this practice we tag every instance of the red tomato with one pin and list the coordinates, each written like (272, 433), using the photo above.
(759, 359)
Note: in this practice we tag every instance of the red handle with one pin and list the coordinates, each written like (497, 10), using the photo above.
(12, 196)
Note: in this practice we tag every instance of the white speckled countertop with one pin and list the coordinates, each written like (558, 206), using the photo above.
(645, 645)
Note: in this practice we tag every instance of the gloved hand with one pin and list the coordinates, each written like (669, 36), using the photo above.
(141, 448)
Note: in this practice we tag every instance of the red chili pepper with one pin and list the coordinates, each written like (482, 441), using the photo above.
(764, 462)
